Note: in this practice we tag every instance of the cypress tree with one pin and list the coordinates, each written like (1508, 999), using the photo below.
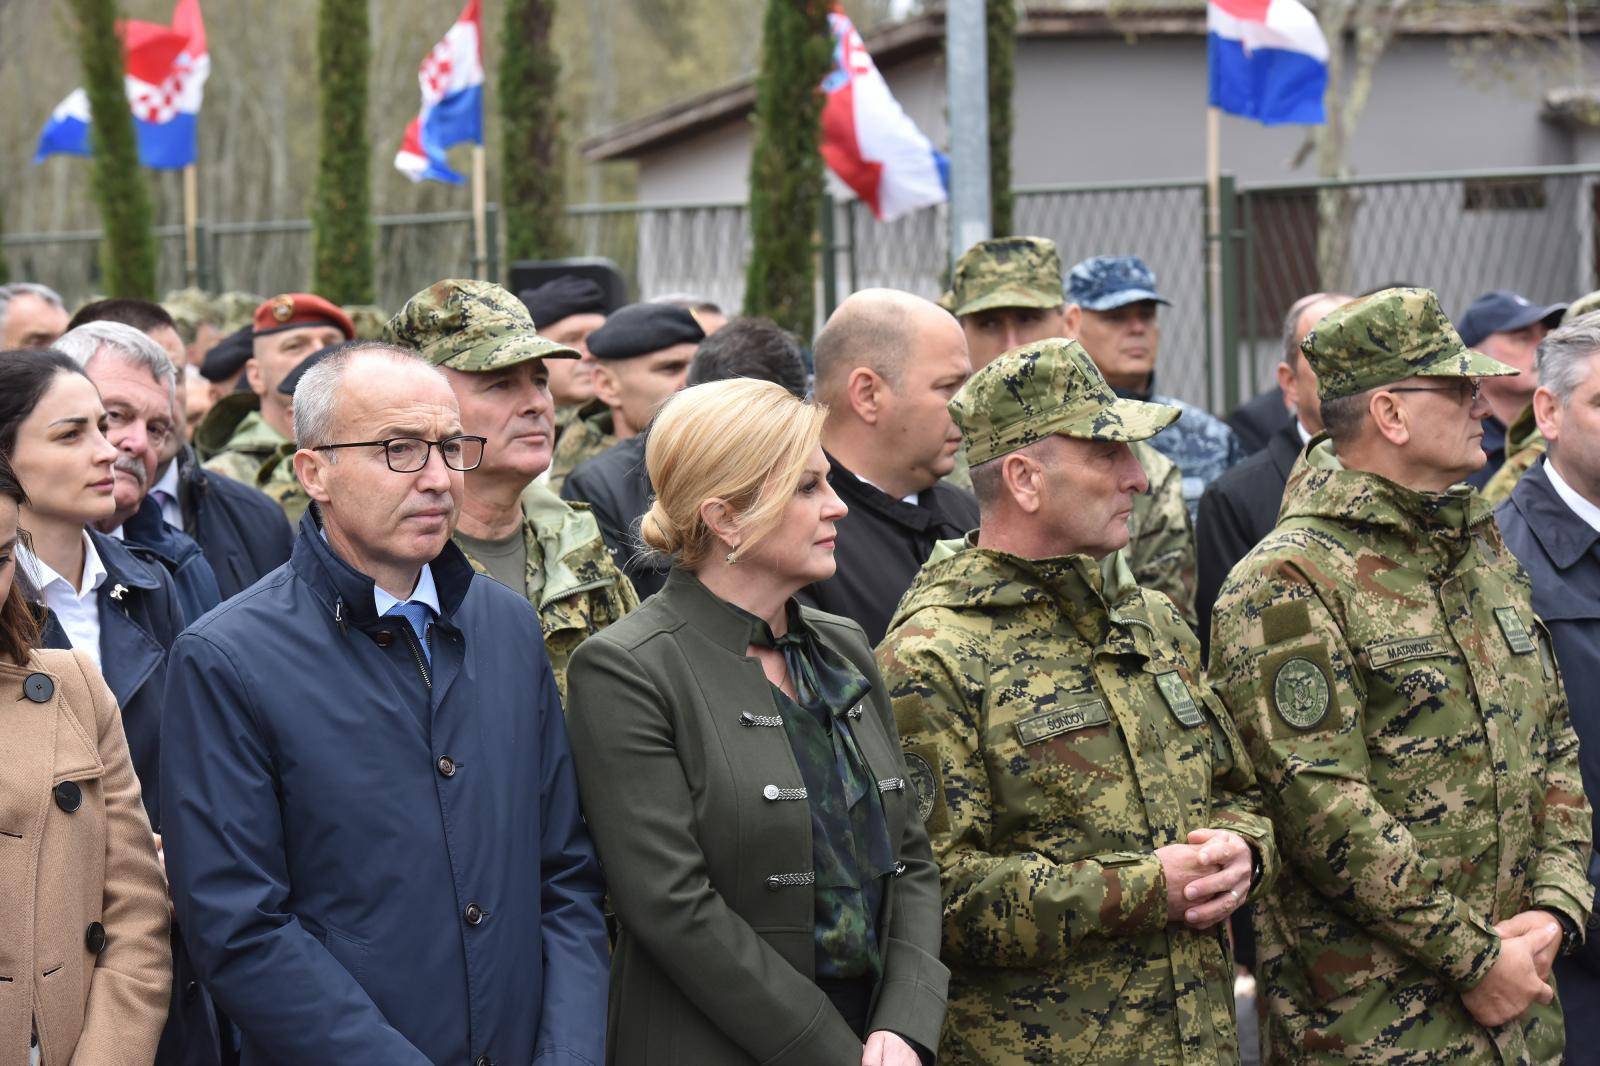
(1001, 19)
(341, 219)
(530, 132)
(129, 253)
(786, 180)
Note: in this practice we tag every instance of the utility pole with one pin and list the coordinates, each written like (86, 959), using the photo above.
(967, 70)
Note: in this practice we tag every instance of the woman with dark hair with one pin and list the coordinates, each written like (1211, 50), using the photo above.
(107, 600)
(84, 964)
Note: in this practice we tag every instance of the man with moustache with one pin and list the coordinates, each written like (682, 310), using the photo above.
(240, 529)
(135, 380)
(374, 841)
(511, 528)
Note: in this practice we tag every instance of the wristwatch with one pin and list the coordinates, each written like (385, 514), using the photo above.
(1569, 932)
(1255, 865)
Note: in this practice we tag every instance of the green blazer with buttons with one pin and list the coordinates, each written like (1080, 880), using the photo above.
(689, 787)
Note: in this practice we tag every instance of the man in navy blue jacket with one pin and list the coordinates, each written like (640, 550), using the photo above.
(373, 837)
(1552, 524)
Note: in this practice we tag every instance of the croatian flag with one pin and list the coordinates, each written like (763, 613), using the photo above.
(165, 76)
(868, 141)
(1269, 61)
(452, 102)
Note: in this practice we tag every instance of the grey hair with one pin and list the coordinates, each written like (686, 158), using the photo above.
(27, 288)
(1344, 417)
(1291, 322)
(85, 342)
(1564, 355)
(316, 394)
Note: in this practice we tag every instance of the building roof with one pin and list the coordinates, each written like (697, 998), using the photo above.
(920, 35)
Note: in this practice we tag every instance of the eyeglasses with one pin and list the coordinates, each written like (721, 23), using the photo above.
(407, 455)
(1472, 384)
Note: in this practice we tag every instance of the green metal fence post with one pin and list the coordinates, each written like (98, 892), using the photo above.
(830, 256)
(1228, 298)
(1247, 274)
(491, 214)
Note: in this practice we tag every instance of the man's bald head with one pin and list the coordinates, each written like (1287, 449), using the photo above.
(879, 329)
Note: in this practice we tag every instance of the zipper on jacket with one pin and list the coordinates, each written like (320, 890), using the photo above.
(416, 653)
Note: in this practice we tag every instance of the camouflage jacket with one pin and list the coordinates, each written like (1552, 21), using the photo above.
(1161, 546)
(277, 479)
(1403, 709)
(1200, 444)
(586, 436)
(252, 446)
(1058, 730)
(576, 587)
(1524, 445)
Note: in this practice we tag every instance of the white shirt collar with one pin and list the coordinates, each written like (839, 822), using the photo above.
(1580, 506)
(1305, 434)
(425, 593)
(911, 499)
(43, 575)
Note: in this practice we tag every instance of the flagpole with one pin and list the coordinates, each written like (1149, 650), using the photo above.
(191, 214)
(480, 226)
(1214, 226)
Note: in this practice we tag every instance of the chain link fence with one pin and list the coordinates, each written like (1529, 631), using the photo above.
(1532, 231)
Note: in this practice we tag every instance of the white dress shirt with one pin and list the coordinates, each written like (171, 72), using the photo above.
(76, 608)
(1582, 507)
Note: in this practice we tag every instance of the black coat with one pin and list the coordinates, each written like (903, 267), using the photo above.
(1256, 420)
(192, 576)
(616, 486)
(883, 542)
(244, 534)
(1561, 553)
(1237, 510)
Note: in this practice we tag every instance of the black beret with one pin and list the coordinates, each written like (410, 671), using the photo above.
(640, 329)
(563, 296)
(228, 356)
(292, 378)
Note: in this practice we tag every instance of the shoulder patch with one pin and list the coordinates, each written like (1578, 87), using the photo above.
(1285, 621)
(922, 770)
(1179, 701)
(1301, 692)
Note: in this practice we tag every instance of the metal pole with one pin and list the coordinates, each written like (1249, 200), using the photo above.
(480, 237)
(191, 216)
(967, 74)
(830, 256)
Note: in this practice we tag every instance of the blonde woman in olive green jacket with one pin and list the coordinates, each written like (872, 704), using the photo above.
(742, 774)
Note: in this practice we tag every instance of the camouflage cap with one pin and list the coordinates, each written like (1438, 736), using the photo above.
(1387, 337)
(236, 309)
(189, 308)
(1006, 272)
(368, 320)
(1042, 389)
(473, 326)
(1107, 282)
(1583, 305)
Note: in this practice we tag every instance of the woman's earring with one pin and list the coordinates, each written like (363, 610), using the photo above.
(730, 558)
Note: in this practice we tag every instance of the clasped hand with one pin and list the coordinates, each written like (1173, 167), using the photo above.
(1207, 878)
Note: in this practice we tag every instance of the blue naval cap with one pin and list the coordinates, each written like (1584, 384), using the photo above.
(1106, 282)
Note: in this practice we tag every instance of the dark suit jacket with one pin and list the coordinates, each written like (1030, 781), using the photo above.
(883, 542)
(1257, 419)
(616, 486)
(1237, 510)
(681, 751)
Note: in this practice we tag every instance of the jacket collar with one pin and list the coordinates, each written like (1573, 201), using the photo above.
(724, 624)
(1565, 537)
(122, 566)
(1438, 528)
(858, 493)
(347, 593)
(149, 530)
(568, 541)
(1284, 447)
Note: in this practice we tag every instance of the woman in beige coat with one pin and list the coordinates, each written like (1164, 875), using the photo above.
(84, 961)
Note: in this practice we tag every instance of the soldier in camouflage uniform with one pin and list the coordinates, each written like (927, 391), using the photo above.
(1007, 292)
(1114, 314)
(589, 431)
(287, 329)
(1092, 811)
(484, 340)
(1401, 704)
